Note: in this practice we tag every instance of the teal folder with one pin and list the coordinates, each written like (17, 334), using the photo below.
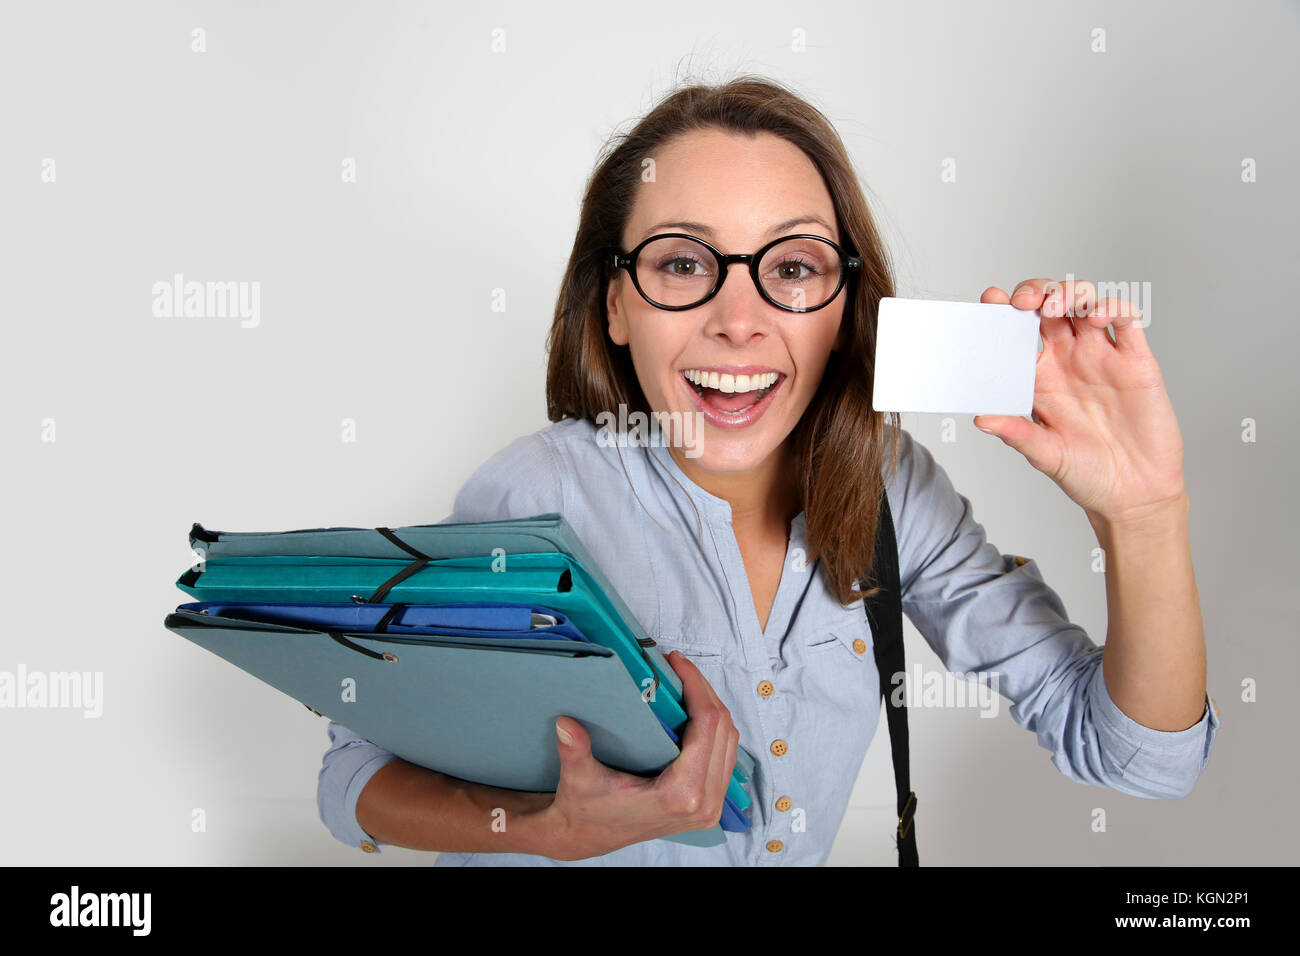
(467, 539)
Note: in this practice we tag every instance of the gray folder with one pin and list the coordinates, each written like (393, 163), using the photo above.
(425, 698)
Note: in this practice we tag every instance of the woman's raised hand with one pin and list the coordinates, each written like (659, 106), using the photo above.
(1103, 426)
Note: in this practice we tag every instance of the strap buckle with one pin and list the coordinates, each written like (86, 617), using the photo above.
(909, 812)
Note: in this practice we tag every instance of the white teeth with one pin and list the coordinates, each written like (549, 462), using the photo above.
(726, 382)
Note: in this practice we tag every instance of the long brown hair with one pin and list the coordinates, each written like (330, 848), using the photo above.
(838, 443)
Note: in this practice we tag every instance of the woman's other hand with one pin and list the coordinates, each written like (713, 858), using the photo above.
(1103, 426)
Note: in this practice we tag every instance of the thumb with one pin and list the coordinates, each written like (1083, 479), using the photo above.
(572, 741)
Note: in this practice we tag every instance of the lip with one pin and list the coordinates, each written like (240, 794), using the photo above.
(732, 422)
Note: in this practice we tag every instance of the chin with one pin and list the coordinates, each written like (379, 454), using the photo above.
(724, 453)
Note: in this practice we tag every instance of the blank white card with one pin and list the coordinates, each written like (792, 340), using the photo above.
(967, 358)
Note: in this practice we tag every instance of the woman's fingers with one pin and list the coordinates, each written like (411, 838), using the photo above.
(699, 689)
(729, 755)
(1028, 293)
(1071, 311)
(1048, 296)
(1080, 301)
(710, 744)
(703, 765)
(1126, 319)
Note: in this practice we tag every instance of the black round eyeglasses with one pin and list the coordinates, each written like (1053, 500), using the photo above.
(676, 271)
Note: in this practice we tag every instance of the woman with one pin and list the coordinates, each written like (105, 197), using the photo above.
(742, 551)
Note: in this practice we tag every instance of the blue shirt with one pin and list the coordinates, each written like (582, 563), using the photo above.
(668, 548)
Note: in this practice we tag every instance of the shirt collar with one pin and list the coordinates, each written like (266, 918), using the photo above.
(718, 509)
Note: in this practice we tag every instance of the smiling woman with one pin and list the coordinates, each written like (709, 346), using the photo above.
(738, 168)
(744, 552)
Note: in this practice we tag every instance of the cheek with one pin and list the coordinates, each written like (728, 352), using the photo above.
(655, 347)
(812, 357)
(653, 362)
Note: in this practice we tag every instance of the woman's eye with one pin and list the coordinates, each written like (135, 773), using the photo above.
(685, 267)
(789, 270)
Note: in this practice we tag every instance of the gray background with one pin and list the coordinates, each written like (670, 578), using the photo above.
(376, 306)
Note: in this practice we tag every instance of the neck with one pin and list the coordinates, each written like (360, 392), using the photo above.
(766, 496)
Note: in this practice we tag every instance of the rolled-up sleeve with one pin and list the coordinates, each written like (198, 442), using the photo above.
(992, 614)
(1162, 764)
(346, 768)
(519, 481)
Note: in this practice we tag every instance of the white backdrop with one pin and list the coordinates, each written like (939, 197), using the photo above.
(129, 156)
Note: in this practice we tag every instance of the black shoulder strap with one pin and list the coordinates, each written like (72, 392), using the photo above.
(885, 613)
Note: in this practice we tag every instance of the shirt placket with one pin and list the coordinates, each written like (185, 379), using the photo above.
(770, 708)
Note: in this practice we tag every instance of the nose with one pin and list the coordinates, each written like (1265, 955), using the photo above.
(738, 313)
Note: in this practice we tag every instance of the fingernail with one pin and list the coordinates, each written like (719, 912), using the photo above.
(565, 737)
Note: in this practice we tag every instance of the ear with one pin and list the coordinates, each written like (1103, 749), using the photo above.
(618, 330)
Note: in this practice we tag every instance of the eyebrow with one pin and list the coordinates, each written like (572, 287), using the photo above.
(701, 229)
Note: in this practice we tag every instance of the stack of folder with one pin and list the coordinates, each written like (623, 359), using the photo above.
(454, 646)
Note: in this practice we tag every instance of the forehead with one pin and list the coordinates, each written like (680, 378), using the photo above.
(739, 185)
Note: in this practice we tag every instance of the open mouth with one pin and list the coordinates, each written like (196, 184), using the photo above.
(732, 401)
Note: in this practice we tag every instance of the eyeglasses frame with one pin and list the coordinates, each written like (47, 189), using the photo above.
(850, 267)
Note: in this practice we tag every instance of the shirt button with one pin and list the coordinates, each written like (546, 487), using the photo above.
(779, 748)
(784, 804)
(765, 688)
(859, 646)
(775, 846)
(367, 846)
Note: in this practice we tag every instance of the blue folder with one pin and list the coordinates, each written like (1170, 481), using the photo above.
(487, 620)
